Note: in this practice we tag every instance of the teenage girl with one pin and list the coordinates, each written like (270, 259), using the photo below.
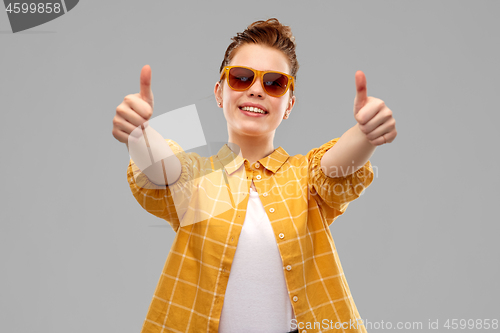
(253, 250)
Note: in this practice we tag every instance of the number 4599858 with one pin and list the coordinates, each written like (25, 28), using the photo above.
(40, 8)
(477, 324)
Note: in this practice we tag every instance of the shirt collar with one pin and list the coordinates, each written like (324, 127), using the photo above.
(232, 161)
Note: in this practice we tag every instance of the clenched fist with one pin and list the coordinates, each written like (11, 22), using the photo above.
(135, 110)
(375, 119)
(148, 149)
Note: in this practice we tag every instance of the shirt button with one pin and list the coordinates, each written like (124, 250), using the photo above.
(289, 268)
(258, 177)
(257, 165)
(295, 298)
(271, 210)
(281, 235)
(265, 194)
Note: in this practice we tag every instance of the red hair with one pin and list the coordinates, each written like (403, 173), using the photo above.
(270, 33)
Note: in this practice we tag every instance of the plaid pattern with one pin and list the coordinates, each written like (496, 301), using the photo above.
(206, 208)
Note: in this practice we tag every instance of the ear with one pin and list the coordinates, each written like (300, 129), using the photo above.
(218, 93)
(291, 103)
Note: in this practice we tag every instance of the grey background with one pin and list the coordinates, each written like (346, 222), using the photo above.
(78, 253)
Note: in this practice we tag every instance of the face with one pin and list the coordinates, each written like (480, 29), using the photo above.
(245, 124)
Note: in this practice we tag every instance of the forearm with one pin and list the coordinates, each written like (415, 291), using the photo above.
(349, 154)
(158, 161)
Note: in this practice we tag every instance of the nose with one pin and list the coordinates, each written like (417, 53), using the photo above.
(256, 88)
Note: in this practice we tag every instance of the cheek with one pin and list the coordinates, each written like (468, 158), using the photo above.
(281, 106)
(230, 96)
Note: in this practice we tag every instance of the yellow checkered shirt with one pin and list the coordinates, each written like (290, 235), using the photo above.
(206, 208)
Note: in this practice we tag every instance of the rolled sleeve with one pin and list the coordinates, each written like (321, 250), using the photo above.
(166, 202)
(339, 191)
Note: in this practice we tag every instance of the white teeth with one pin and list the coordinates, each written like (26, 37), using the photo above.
(252, 109)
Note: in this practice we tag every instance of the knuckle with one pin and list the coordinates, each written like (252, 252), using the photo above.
(116, 121)
(129, 99)
(359, 119)
(120, 112)
(115, 134)
(391, 124)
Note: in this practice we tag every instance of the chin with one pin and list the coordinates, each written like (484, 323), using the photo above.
(252, 131)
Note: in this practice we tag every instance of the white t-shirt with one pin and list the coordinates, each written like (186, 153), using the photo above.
(256, 298)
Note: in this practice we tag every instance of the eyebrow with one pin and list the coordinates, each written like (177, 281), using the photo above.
(265, 70)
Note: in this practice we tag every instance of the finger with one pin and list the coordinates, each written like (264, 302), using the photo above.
(373, 115)
(369, 110)
(389, 137)
(137, 110)
(378, 141)
(120, 135)
(384, 139)
(126, 127)
(382, 130)
(146, 93)
(361, 98)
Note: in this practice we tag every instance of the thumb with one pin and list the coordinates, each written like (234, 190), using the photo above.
(146, 93)
(361, 99)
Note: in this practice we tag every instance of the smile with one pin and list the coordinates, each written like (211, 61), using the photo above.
(251, 109)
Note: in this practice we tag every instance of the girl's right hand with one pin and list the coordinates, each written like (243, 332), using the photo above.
(135, 110)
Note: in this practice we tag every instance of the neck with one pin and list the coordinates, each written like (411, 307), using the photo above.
(253, 148)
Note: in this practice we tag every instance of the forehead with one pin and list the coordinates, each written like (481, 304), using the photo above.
(260, 57)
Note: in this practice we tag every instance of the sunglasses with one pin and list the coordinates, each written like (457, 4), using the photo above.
(241, 78)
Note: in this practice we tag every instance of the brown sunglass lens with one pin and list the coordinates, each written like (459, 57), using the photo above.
(240, 78)
(275, 83)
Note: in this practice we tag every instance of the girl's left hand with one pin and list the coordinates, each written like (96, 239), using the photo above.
(374, 118)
